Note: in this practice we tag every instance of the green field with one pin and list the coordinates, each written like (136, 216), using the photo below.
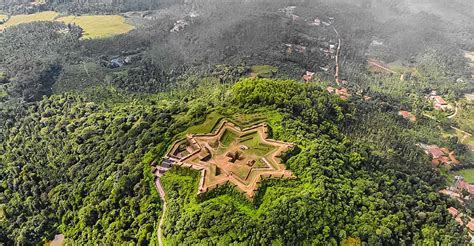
(94, 26)
(263, 71)
(99, 26)
(256, 147)
(20, 19)
(228, 137)
(468, 174)
(207, 126)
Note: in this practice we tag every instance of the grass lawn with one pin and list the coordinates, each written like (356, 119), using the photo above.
(468, 174)
(207, 126)
(228, 137)
(256, 147)
(99, 26)
(20, 19)
(260, 164)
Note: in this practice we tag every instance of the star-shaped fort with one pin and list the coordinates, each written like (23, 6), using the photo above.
(231, 155)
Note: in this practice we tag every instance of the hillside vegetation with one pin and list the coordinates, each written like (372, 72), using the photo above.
(85, 116)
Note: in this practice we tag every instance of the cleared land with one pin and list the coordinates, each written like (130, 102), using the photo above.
(99, 26)
(20, 19)
(263, 71)
(94, 26)
(468, 174)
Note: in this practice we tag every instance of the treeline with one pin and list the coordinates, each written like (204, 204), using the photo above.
(74, 166)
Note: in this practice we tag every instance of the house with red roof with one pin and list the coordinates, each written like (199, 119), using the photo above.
(453, 211)
(438, 102)
(470, 225)
(440, 155)
(407, 115)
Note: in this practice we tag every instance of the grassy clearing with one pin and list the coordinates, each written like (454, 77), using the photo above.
(94, 26)
(228, 137)
(468, 174)
(260, 164)
(99, 26)
(256, 147)
(20, 19)
(263, 71)
(207, 126)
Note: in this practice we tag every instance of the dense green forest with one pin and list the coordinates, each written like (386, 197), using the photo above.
(79, 133)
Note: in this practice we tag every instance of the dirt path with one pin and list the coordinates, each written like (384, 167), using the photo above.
(465, 133)
(455, 113)
(162, 193)
(160, 240)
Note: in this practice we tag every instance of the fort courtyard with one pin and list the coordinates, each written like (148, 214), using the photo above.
(231, 155)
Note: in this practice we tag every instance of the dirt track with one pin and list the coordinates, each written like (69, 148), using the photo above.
(162, 193)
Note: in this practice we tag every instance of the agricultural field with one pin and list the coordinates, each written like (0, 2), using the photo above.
(94, 26)
(99, 26)
(20, 19)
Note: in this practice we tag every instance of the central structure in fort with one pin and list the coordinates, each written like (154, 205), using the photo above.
(241, 157)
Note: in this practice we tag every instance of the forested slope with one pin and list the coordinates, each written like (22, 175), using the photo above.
(72, 165)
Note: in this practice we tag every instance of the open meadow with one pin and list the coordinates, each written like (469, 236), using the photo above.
(99, 26)
(94, 26)
(20, 19)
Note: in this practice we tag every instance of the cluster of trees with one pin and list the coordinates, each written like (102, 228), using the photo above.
(74, 166)
(33, 55)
